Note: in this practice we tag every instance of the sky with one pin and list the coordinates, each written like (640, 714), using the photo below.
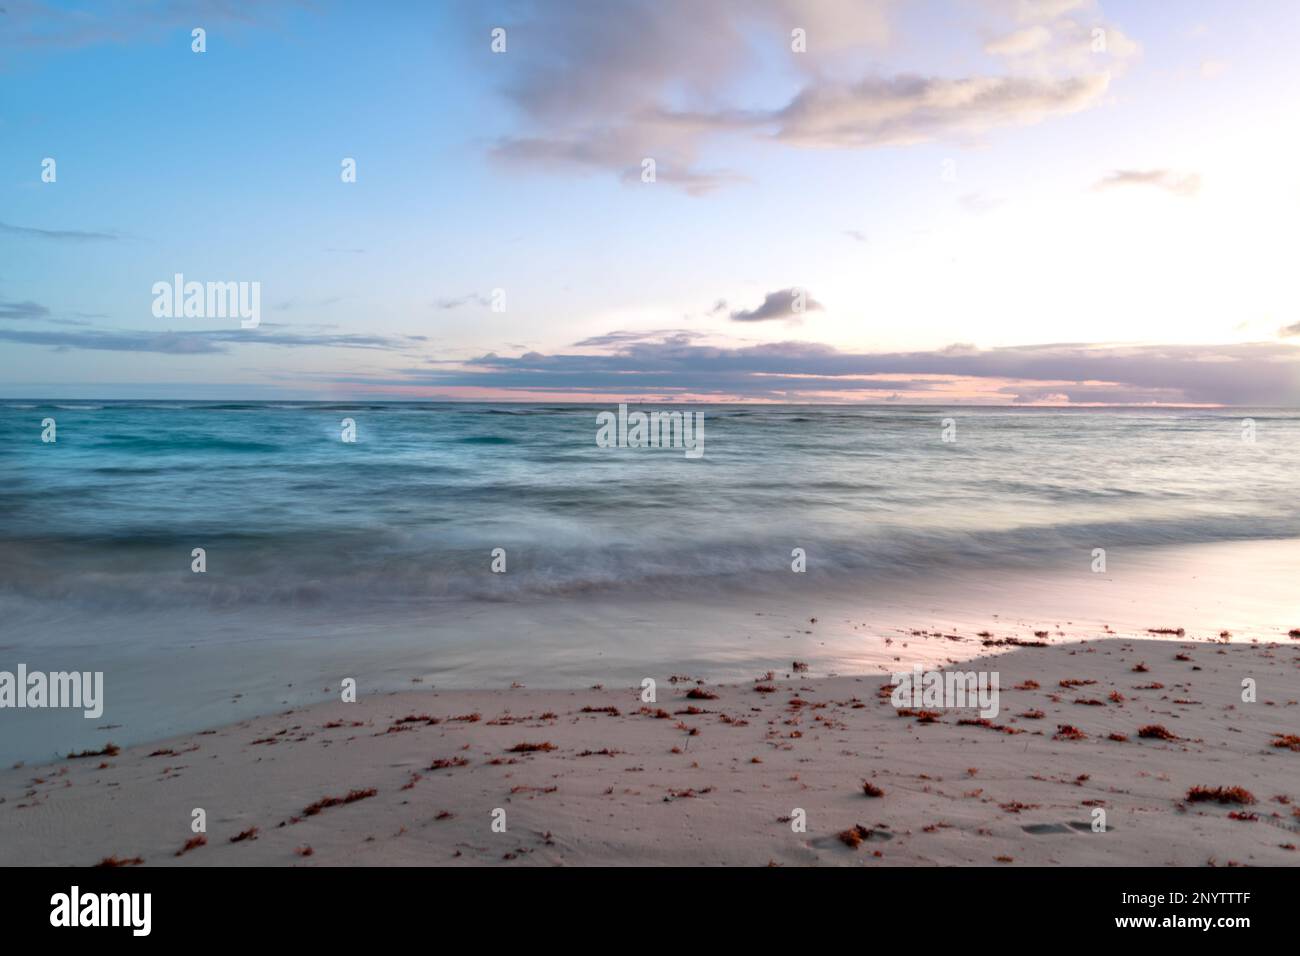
(936, 201)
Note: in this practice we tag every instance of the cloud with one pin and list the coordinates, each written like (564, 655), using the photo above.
(30, 24)
(1053, 45)
(457, 301)
(198, 342)
(1242, 374)
(781, 304)
(1185, 185)
(615, 84)
(23, 310)
(29, 311)
(58, 235)
(977, 203)
(1030, 10)
(1019, 42)
(912, 109)
(619, 339)
(1290, 330)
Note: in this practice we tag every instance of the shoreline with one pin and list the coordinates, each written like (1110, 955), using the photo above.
(224, 666)
(716, 784)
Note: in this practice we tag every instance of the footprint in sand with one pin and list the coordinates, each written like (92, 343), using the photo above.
(1038, 829)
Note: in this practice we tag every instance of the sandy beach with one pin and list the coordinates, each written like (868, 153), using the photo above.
(718, 774)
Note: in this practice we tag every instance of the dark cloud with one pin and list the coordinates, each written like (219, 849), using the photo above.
(198, 342)
(1244, 374)
(781, 304)
(23, 310)
(621, 339)
(29, 311)
(1290, 330)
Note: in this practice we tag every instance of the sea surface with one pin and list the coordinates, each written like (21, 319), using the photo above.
(107, 516)
(376, 556)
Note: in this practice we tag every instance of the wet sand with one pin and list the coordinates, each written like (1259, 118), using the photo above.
(597, 776)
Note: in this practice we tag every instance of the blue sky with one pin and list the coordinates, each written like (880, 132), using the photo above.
(972, 200)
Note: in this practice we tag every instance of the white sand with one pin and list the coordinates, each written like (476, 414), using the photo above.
(718, 797)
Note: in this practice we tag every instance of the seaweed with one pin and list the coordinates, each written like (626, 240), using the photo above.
(325, 802)
(1239, 795)
(193, 843)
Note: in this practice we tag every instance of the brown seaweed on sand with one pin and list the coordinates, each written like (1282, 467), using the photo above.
(192, 843)
(1220, 795)
(445, 763)
(1015, 806)
(854, 835)
(249, 834)
(527, 748)
(871, 790)
(1157, 732)
(110, 750)
(1068, 732)
(324, 803)
(686, 794)
(922, 716)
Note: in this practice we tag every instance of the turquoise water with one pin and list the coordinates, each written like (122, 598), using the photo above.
(107, 516)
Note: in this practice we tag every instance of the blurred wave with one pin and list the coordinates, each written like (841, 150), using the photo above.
(288, 514)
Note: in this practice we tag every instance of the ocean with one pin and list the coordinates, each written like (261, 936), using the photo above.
(378, 554)
(289, 514)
